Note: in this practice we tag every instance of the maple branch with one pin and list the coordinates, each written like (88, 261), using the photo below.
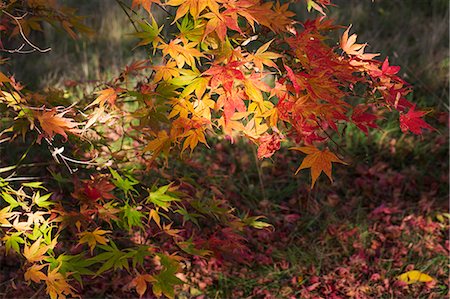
(338, 146)
(165, 10)
(35, 48)
(123, 6)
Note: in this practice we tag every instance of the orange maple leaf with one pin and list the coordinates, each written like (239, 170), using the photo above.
(108, 95)
(33, 273)
(194, 7)
(57, 285)
(318, 161)
(36, 252)
(146, 4)
(140, 283)
(53, 123)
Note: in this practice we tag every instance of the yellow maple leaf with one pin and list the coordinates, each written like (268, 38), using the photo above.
(414, 276)
(57, 285)
(36, 251)
(5, 215)
(160, 144)
(155, 216)
(92, 238)
(318, 161)
(33, 273)
(193, 137)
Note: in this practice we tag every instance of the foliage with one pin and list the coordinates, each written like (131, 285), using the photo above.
(215, 70)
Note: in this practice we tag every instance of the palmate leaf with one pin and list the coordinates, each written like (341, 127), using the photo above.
(132, 216)
(76, 265)
(138, 254)
(42, 201)
(166, 280)
(125, 184)
(52, 124)
(149, 34)
(12, 241)
(319, 161)
(162, 198)
(34, 273)
(37, 250)
(57, 285)
(94, 237)
(112, 258)
(140, 283)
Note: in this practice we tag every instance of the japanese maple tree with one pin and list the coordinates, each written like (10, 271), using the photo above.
(234, 68)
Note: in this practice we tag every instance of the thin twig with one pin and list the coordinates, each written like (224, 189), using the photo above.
(36, 48)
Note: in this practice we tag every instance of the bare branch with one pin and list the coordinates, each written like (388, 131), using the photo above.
(19, 50)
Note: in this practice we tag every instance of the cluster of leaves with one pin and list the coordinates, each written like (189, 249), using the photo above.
(248, 69)
(229, 68)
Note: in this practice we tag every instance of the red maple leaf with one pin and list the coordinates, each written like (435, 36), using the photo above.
(413, 122)
(363, 120)
(268, 144)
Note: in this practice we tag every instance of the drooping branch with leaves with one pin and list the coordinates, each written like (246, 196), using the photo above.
(216, 69)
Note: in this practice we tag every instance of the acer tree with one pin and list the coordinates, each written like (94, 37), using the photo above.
(215, 68)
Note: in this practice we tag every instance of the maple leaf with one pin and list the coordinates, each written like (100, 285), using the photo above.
(5, 215)
(165, 281)
(219, 23)
(268, 144)
(166, 71)
(263, 57)
(182, 54)
(413, 122)
(363, 120)
(145, 4)
(161, 144)
(192, 139)
(53, 124)
(149, 34)
(57, 285)
(231, 102)
(33, 273)
(154, 214)
(225, 75)
(140, 283)
(318, 161)
(293, 78)
(92, 238)
(107, 212)
(414, 276)
(36, 252)
(194, 7)
(108, 95)
(349, 46)
(386, 69)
